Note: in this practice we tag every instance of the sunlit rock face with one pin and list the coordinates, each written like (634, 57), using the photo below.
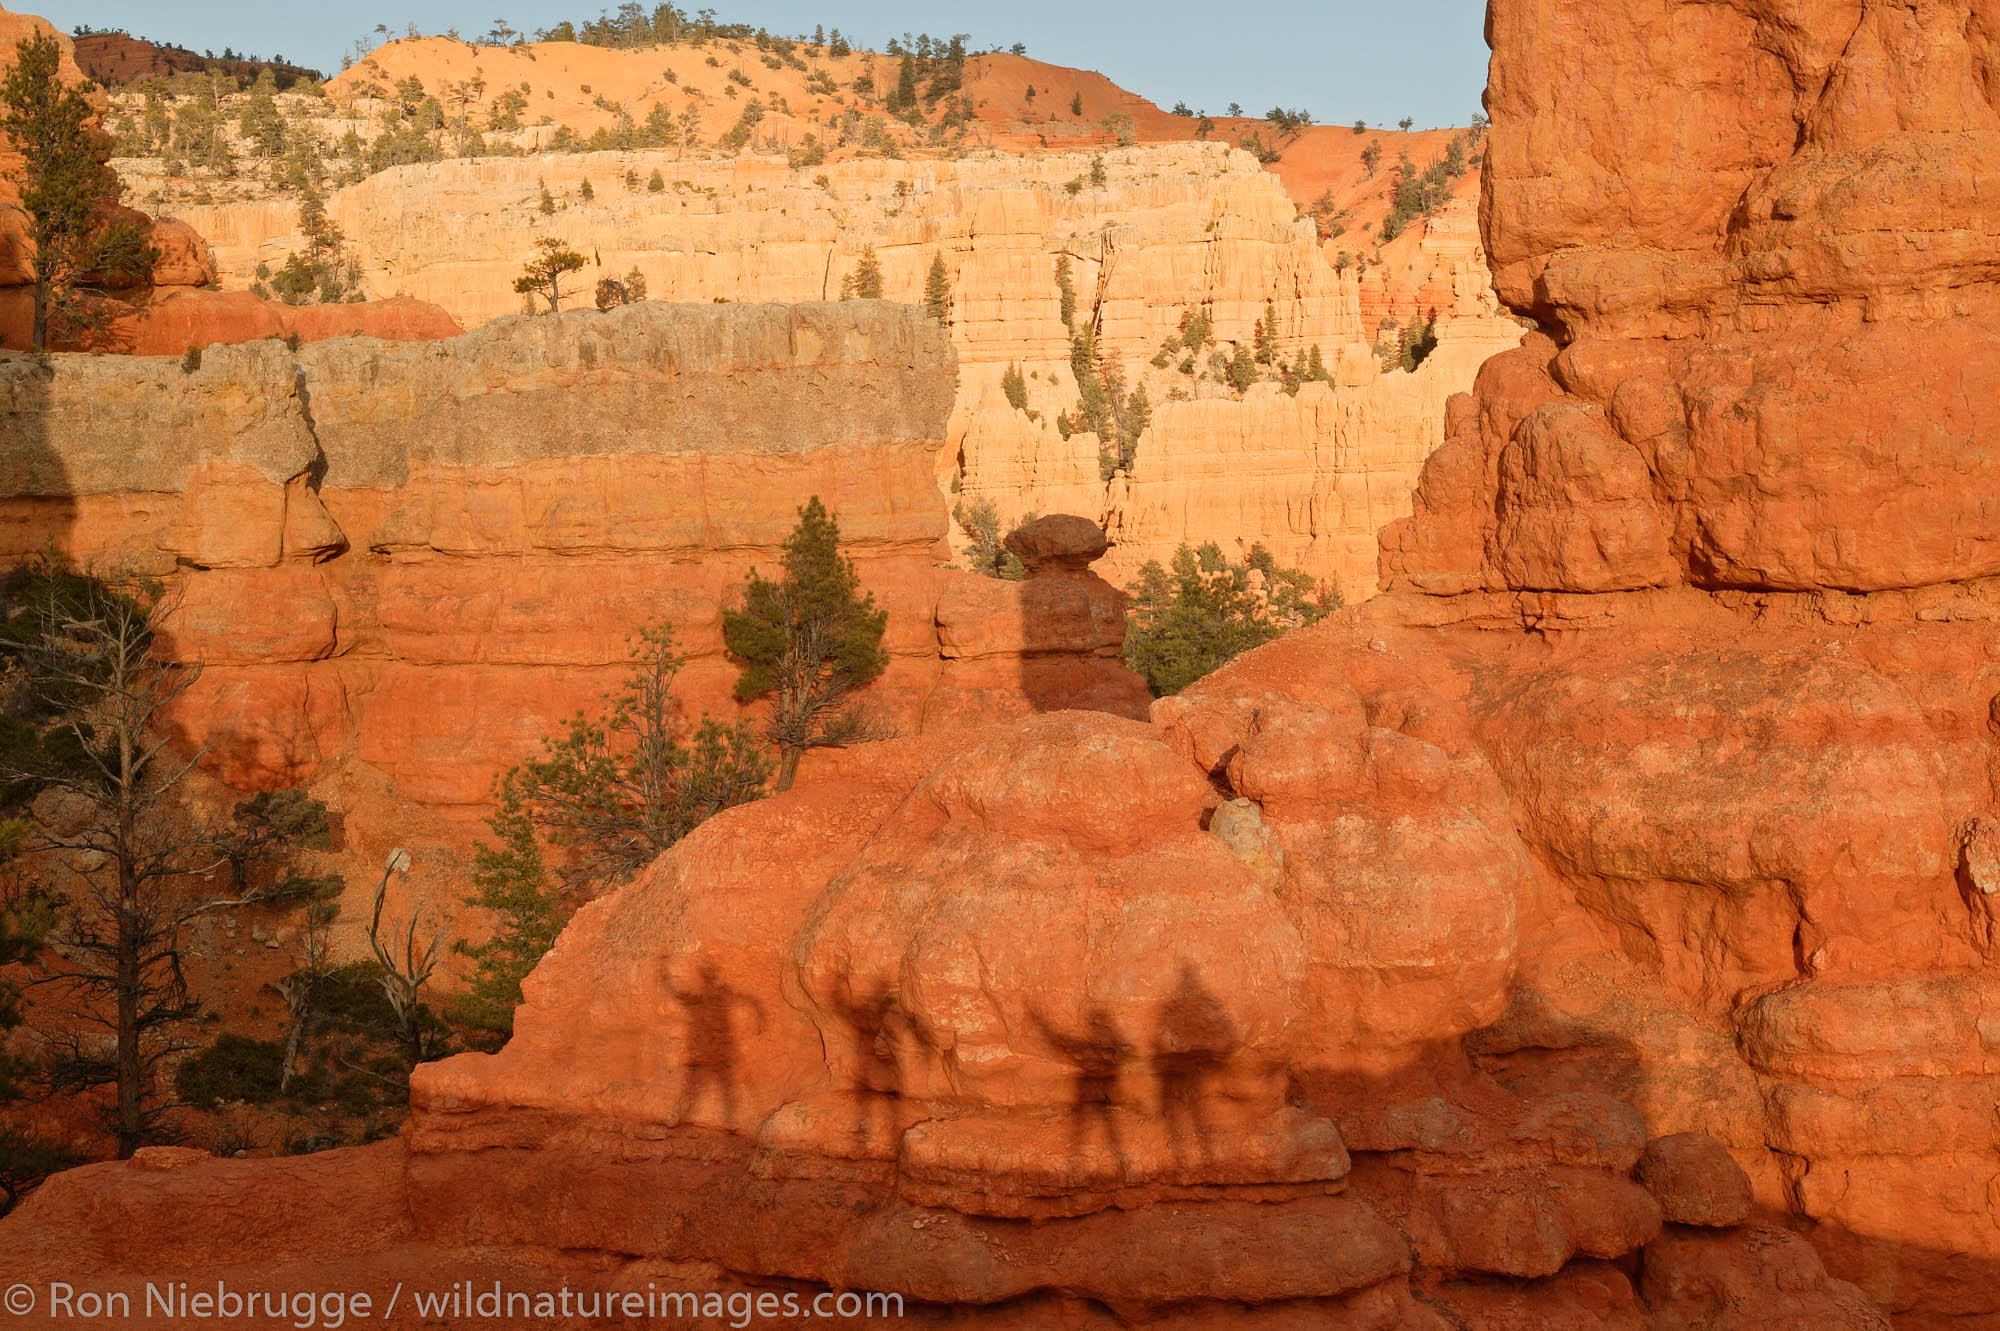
(1174, 229)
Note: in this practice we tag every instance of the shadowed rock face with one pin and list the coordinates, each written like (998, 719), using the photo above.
(1595, 931)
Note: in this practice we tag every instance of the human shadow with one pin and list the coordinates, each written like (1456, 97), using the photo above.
(1098, 1055)
(1193, 1037)
(710, 1053)
(873, 1031)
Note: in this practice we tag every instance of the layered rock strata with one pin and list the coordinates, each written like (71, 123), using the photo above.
(401, 564)
(1175, 230)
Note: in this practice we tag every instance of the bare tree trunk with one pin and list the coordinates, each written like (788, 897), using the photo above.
(130, 946)
(44, 290)
(294, 1041)
(131, 1066)
(788, 765)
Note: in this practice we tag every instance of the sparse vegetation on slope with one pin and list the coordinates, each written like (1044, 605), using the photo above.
(987, 553)
(1419, 194)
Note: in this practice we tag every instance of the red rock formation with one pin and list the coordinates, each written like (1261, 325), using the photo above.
(168, 321)
(1399, 959)
(183, 259)
(406, 564)
(116, 59)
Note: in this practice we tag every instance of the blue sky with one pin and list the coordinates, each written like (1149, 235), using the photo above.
(1337, 58)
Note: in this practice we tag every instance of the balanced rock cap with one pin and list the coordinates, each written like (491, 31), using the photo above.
(1059, 543)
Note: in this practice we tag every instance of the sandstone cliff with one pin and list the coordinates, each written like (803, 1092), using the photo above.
(1175, 229)
(1226, 241)
(403, 564)
(1008, 102)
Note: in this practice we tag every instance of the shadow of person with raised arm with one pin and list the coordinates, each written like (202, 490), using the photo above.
(1192, 1038)
(709, 1053)
(878, 1072)
(1098, 1055)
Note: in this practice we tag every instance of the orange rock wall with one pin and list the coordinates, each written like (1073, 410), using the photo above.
(405, 564)
(1747, 483)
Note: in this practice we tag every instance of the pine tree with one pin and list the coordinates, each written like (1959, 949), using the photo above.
(1066, 289)
(1076, 105)
(614, 791)
(1267, 334)
(1132, 423)
(610, 794)
(986, 550)
(260, 121)
(1242, 369)
(905, 100)
(585, 192)
(543, 274)
(868, 276)
(1015, 387)
(808, 642)
(1187, 619)
(656, 182)
(510, 880)
(937, 291)
(62, 184)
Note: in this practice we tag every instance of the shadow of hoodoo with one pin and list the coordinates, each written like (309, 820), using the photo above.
(38, 501)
